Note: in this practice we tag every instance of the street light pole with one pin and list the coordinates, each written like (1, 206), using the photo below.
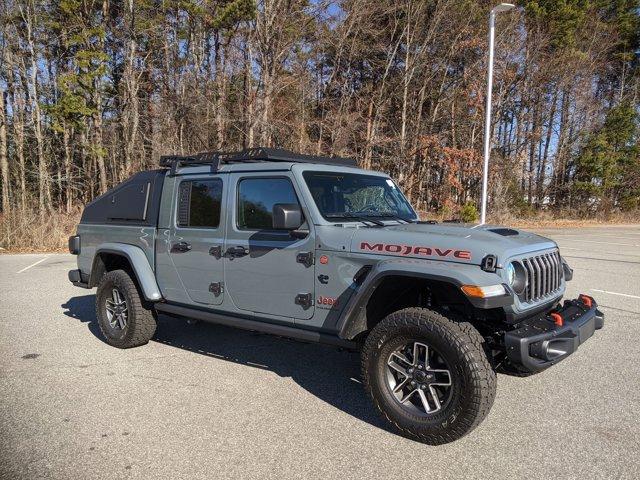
(503, 7)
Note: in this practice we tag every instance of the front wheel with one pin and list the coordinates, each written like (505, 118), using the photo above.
(428, 375)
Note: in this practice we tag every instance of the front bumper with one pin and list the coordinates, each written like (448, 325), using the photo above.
(544, 340)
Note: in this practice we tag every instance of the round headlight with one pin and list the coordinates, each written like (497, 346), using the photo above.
(511, 273)
(517, 277)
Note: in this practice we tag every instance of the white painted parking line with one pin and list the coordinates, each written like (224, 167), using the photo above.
(615, 293)
(593, 234)
(603, 243)
(32, 265)
(600, 252)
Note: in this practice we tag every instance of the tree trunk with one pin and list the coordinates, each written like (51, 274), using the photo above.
(44, 192)
(220, 90)
(131, 114)
(98, 147)
(267, 98)
(541, 190)
(369, 137)
(67, 169)
(18, 134)
(4, 164)
(249, 97)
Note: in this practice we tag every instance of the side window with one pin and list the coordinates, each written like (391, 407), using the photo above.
(199, 203)
(256, 198)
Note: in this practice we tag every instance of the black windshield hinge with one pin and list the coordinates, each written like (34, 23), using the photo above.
(305, 258)
(216, 288)
(304, 300)
(489, 263)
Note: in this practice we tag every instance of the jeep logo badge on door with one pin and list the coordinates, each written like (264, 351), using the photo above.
(327, 302)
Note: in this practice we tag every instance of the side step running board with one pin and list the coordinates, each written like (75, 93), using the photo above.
(255, 325)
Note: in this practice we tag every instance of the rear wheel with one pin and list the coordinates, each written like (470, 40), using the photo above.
(125, 319)
(428, 375)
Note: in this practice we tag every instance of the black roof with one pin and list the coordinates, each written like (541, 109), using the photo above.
(259, 154)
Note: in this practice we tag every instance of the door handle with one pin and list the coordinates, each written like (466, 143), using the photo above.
(237, 251)
(181, 247)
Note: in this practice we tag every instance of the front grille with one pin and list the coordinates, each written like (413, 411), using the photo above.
(544, 276)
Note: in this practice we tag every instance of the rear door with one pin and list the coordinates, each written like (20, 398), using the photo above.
(197, 238)
(266, 270)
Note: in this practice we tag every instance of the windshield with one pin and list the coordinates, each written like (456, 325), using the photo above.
(352, 195)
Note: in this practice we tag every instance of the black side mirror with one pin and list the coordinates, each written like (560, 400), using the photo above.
(287, 216)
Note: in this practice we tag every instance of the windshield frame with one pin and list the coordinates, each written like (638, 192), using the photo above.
(334, 217)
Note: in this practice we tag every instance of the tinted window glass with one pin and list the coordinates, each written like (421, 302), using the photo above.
(203, 200)
(256, 198)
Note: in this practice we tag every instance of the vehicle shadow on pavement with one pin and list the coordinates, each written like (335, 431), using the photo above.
(331, 374)
(84, 309)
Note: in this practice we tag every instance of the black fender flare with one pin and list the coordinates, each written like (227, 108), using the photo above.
(353, 318)
(139, 264)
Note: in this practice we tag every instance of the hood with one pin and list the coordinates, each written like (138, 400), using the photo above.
(450, 242)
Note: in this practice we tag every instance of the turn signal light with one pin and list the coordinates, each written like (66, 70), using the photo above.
(483, 292)
(472, 291)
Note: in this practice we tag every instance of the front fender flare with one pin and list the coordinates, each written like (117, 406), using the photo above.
(353, 319)
(141, 268)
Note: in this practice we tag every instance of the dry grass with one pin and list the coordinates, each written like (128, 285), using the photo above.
(569, 223)
(547, 219)
(30, 232)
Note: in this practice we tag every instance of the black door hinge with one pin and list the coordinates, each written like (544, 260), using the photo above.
(216, 288)
(304, 300)
(305, 258)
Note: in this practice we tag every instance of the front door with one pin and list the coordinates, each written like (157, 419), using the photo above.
(266, 270)
(197, 238)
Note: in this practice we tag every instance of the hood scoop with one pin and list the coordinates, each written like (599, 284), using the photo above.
(505, 232)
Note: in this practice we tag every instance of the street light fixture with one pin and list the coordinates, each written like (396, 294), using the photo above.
(503, 7)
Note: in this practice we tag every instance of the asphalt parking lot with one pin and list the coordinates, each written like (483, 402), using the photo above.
(206, 401)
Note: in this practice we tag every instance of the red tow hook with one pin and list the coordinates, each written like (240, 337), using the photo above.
(557, 319)
(586, 299)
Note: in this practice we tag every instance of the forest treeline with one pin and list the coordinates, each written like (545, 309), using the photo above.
(94, 90)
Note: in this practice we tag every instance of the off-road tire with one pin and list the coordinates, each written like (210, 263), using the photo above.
(460, 344)
(141, 321)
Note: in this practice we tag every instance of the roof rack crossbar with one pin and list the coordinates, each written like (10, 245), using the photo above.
(258, 154)
(173, 162)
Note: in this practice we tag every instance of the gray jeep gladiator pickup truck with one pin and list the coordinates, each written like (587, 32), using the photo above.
(313, 248)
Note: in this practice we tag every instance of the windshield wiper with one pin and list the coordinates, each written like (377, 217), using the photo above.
(386, 214)
(354, 216)
(394, 216)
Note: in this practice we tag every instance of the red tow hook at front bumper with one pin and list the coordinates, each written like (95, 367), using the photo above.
(585, 299)
(544, 340)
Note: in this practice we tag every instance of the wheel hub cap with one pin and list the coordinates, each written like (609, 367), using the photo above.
(116, 307)
(419, 378)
